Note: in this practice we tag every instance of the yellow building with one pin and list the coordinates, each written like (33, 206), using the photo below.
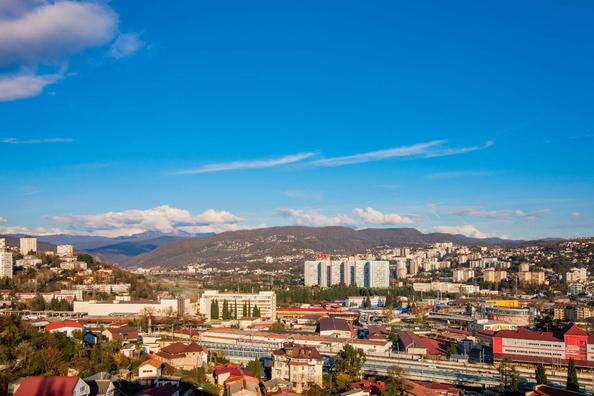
(505, 303)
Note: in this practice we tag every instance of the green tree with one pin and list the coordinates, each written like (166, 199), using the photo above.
(225, 310)
(396, 377)
(513, 380)
(393, 335)
(87, 258)
(256, 367)
(315, 390)
(256, 313)
(211, 389)
(368, 302)
(278, 326)
(244, 311)
(508, 376)
(452, 349)
(214, 310)
(350, 361)
(541, 374)
(572, 379)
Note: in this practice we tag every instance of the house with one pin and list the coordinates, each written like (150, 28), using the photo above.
(370, 388)
(413, 389)
(64, 326)
(186, 355)
(222, 373)
(151, 368)
(124, 333)
(335, 327)
(276, 386)
(545, 390)
(242, 385)
(377, 332)
(166, 390)
(53, 386)
(102, 384)
(91, 338)
(299, 364)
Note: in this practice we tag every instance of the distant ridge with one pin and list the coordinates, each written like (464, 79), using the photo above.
(234, 248)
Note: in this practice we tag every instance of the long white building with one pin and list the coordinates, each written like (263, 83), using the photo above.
(175, 306)
(265, 300)
(5, 264)
(362, 273)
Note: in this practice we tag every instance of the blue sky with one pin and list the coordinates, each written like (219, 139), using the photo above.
(463, 117)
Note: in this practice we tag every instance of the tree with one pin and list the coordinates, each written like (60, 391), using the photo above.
(350, 361)
(541, 374)
(211, 389)
(368, 302)
(452, 349)
(315, 390)
(393, 335)
(572, 379)
(244, 312)
(278, 326)
(342, 380)
(225, 310)
(256, 313)
(214, 310)
(508, 376)
(255, 366)
(396, 376)
(391, 390)
(513, 381)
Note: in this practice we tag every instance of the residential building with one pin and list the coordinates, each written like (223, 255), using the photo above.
(242, 385)
(49, 386)
(28, 244)
(124, 333)
(151, 368)
(64, 326)
(299, 364)
(359, 272)
(576, 275)
(28, 262)
(65, 250)
(462, 275)
(265, 301)
(524, 267)
(102, 384)
(186, 355)
(359, 301)
(335, 327)
(2, 244)
(575, 288)
(493, 275)
(221, 374)
(5, 264)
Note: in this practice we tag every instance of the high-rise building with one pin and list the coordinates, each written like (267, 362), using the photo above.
(65, 250)
(264, 300)
(359, 272)
(5, 264)
(2, 244)
(401, 270)
(413, 267)
(28, 244)
(462, 275)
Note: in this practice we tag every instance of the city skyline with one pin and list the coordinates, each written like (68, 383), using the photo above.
(120, 118)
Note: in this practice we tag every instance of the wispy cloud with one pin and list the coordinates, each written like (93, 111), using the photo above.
(533, 215)
(467, 230)
(253, 164)
(125, 45)
(36, 141)
(575, 215)
(358, 216)
(473, 211)
(434, 148)
(29, 190)
(3, 220)
(25, 85)
(457, 174)
(389, 186)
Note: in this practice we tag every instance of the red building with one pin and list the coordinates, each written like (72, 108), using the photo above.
(545, 347)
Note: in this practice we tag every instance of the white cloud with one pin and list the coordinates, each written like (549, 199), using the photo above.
(161, 218)
(33, 231)
(367, 216)
(46, 32)
(533, 215)
(473, 212)
(36, 141)
(430, 149)
(467, 230)
(457, 174)
(125, 45)
(3, 220)
(254, 164)
(575, 215)
(21, 86)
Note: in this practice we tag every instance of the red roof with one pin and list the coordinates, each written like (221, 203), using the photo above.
(63, 323)
(573, 330)
(232, 371)
(47, 386)
(523, 334)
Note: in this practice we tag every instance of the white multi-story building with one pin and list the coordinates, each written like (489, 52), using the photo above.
(165, 306)
(28, 262)
(5, 264)
(576, 275)
(28, 244)
(265, 300)
(2, 243)
(65, 250)
(362, 273)
(462, 275)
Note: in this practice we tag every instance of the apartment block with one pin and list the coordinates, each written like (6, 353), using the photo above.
(299, 364)
(65, 250)
(5, 264)
(462, 275)
(28, 244)
(265, 300)
(362, 273)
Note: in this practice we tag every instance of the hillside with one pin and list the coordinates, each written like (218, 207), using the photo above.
(237, 248)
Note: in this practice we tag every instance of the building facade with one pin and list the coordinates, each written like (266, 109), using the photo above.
(5, 264)
(299, 364)
(28, 244)
(265, 300)
(65, 250)
(362, 273)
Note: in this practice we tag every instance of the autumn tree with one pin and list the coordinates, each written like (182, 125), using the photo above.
(350, 361)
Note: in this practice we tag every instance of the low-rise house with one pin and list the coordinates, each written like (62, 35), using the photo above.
(243, 385)
(221, 374)
(166, 390)
(102, 384)
(151, 368)
(369, 387)
(91, 338)
(335, 327)
(64, 326)
(183, 355)
(124, 333)
(299, 364)
(51, 386)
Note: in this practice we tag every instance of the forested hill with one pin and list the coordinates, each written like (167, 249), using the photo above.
(235, 248)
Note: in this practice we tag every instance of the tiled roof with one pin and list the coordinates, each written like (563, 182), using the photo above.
(63, 323)
(523, 334)
(232, 371)
(296, 351)
(180, 347)
(573, 330)
(47, 386)
(333, 324)
(151, 362)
